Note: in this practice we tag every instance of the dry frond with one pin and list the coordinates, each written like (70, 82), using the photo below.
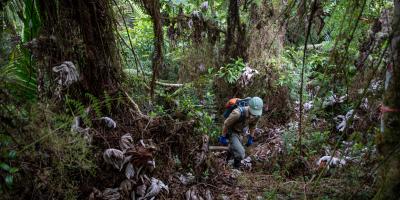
(186, 179)
(148, 144)
(126, 187)
(141, 190)
(331, 162)
(67, 73)
(247, 76)
(111, 194)
(140, 156)
(272, 148)
(114, 157)
(194, 193)
(201, 155)
(246, 163)
(129, 171)
(126, 142)
(95, 194)
(155, 188)
(109, 122)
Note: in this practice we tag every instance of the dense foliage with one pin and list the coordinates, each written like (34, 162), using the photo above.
(163, 70)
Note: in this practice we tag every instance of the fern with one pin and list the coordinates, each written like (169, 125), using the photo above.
(120, 99)
(62, 119)
(19, 76)
(78, 109)
(107, 101)
(95, 104)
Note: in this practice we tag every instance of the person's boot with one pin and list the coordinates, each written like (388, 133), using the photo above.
(229, 156)
(236, 164)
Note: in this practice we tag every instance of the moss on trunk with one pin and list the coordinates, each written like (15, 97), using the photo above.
(389, 147)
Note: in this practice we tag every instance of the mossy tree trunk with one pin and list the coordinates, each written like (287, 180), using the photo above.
(389, 147)
(102, 69)
(235, 42)
(81, 32)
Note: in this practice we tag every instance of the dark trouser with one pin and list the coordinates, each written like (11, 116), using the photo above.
(236, 148)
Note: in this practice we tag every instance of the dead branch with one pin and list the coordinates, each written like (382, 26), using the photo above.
(218, 148)
(169, 84)
(135, 106)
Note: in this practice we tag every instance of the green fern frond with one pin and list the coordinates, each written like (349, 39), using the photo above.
(120, 99)
(75, 106)
(19, 76)
(95, 104)
(107, 101)
(78, 109)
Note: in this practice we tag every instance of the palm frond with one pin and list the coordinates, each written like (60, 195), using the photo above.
(19, 77)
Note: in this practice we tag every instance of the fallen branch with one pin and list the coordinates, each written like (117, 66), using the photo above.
(218, 148)
(169, 84)
(314, 46)
(135, 106)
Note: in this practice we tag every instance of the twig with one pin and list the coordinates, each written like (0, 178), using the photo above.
(130, 46)
(313, 8)
(208, 185)
(145, 128)
(135, 106)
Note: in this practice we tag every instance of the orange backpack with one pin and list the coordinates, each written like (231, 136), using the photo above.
(236, 103)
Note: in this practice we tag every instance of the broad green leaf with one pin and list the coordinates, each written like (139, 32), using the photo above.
(9, 180)
(13, 170)
(5, 166)
(12, 154)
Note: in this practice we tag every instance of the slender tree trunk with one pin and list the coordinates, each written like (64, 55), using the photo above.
(212, 8)
(153, 9)
(158, 45)
(389, 147)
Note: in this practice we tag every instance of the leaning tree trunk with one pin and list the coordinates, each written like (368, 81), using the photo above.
(389, 147)
(80, 32)
(153, 9)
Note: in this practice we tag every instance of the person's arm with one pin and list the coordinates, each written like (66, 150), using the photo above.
(230, 121)
(250, 137)
(252, 128)
(252, 131)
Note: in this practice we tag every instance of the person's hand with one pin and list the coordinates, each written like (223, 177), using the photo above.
(249, 140)
(223, 140)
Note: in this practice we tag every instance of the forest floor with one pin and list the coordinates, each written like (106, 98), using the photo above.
(268, 172)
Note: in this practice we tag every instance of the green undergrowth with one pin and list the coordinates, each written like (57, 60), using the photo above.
(51, 159)
(194, 101)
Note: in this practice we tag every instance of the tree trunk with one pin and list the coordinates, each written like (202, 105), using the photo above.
(389, 145)
(80, 32)
(153, 9)
(235, 42)
(101, 72)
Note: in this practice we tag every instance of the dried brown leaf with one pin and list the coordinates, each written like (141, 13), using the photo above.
(126, 142)
(208, 195)
(141, 190)
(126, 187)
(129, 171)
(140, 156)
(111, 194)
(114, 157)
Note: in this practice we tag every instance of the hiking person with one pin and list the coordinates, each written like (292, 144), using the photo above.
(241, 115)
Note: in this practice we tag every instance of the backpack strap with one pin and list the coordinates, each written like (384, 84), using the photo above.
(241, 109)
